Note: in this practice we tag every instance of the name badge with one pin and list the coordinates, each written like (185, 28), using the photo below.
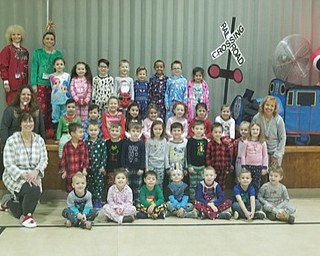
(45, 76)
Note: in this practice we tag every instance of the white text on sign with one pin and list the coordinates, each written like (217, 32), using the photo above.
(230, 43)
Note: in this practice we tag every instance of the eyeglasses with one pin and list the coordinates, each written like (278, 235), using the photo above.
(103, 67)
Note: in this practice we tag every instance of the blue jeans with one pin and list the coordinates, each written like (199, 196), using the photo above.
(236, 207)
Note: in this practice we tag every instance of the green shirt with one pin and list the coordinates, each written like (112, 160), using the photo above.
(64, 124)
(148, 196)
(42, 66)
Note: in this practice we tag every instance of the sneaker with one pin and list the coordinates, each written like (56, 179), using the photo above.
(141, 215)
(291, 219)
(236, 215)
(86, 224)
(68, 224)
(284, 216)
(127, 219)
(260, 215)
(203, 216)
(224, 215)
(193, 214)
(162, 215)
(28, 221)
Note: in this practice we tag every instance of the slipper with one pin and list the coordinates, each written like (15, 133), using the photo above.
(28, 221)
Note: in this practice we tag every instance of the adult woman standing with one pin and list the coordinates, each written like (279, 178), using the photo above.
(25, 99)
(25, 159)
(14, 62)
(42, 67)
(273, 127)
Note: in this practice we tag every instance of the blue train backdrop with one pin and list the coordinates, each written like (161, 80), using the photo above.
(299, 105)
(299, 108)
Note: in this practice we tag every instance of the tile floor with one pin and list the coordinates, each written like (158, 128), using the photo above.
(171, 236)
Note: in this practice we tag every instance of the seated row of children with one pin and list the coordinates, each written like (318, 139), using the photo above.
(272, 200)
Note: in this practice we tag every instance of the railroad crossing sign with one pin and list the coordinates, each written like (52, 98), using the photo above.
(229, 45)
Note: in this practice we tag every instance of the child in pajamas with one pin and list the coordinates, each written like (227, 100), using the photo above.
(80, 88)
(210, 199)
(75, 156)
(178, 195)
(97, 161)
(119, 206)
(103, 86)
(157, 87)
(133, 157)
(275, 199)
(176, 88)
(79, 211)
(151, 199)
(218, 154)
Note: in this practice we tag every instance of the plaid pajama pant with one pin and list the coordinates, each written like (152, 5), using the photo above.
(135, 182)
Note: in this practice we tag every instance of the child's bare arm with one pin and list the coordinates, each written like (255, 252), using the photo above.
(253, 204)
(242, 206)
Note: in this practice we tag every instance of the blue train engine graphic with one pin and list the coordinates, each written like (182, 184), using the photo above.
(301, 105)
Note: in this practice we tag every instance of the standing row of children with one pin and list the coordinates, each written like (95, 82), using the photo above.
(160, 90)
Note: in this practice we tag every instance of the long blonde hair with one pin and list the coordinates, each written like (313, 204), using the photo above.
(261, 137)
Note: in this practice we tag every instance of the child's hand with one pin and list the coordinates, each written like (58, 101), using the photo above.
(213, 207)
(264, 171)
(180, 213)
(64, 175)
(249, 215)
(84, 171)
(151, 208)
(191, 170)
(119, 210)
(274, 161)
(140, 172)
(81, 216)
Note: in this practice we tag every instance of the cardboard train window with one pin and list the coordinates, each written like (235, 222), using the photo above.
(306, 98)
(290, 99)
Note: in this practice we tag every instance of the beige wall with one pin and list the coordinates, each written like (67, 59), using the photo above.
(145, 30)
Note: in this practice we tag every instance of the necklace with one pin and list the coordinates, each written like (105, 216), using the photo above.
(266, 126)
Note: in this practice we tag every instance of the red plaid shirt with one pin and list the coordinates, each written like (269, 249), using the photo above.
(74, 159)
(218, 154)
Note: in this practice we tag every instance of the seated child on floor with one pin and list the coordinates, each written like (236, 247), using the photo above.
(178, 195)
(119, 206)
(151, 199)
(275, 199)
(210, 199)
(245, 204)
(79, 211)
